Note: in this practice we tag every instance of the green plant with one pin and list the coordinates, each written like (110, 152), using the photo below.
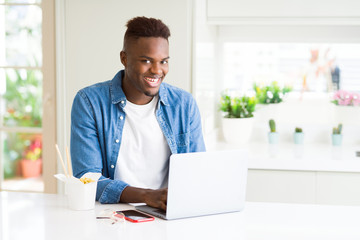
(337, 130)
(237, 107)
(23, 108)
(23, 98)
(272, 93)
(298, 130)
(272, 125)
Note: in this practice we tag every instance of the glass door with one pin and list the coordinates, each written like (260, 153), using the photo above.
(21, 88)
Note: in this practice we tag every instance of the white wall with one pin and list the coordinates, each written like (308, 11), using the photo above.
(205, 70)
(283, 12)
(90, 37)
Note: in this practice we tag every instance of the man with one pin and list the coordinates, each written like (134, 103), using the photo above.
(128, 127)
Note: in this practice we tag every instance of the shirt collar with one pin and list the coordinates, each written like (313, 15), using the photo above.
(116, 92)
(118, 95)
(163, 94)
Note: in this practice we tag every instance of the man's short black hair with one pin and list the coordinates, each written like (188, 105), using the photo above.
(145, 27)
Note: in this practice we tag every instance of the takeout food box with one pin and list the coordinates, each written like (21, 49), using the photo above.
(81, 192)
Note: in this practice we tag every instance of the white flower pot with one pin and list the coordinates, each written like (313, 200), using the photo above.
(237, 130)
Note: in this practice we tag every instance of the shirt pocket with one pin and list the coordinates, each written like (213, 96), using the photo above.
(182, 142)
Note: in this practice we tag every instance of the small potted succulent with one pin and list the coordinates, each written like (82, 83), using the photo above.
(273, 135)
(336, 135)
(298, 136)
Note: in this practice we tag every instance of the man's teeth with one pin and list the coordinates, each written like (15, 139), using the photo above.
(152, 79)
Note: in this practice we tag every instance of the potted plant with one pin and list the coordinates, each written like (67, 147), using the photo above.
(269, 94)
(273, 136)
(336, 135)
(268, 97)
(238, 116)
(31, 164)
(347, 107)
(298, 136)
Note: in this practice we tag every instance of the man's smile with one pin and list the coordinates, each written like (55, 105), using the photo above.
(153, 81)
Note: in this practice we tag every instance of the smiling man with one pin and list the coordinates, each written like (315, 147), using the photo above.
(127, 128)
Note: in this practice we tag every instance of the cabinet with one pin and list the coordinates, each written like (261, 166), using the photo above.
(313, 187)
(281, 186)
(338, 188)
(323, 175)
(337, 12)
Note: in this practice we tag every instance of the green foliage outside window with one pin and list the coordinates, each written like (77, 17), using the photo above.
(23, 98)
(23, 101)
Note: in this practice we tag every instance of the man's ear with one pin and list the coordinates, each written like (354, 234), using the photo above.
(123, 58)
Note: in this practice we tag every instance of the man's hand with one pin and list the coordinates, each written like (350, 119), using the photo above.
(153, 198)
(157, 198)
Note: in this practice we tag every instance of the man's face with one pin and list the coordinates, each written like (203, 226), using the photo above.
(146, 64)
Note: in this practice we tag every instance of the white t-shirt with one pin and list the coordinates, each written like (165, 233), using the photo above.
(143, 159)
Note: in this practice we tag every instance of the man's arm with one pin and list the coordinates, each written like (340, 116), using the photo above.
(197, 143)
(86, 152)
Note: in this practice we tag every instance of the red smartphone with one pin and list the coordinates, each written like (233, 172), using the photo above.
(136, 216)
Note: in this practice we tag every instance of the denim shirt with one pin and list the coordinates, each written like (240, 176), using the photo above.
(97, 122)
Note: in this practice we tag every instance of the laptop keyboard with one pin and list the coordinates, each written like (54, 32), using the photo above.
(152, 211)
(161, 212)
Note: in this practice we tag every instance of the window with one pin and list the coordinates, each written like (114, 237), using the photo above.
(22, 77)
(314, 72)
(319, 67)
(247, 54)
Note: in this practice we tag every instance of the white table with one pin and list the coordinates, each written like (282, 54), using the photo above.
(45, 216)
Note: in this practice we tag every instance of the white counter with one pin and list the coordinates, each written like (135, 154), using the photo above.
(309, 173)
(307, 157)
(45, 216)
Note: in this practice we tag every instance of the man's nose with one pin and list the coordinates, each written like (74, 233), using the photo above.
(156, 68)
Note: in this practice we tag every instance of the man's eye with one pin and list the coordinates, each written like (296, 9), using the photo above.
(145, 61)
(165, 62)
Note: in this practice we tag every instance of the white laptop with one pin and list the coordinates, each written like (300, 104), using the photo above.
(204, 183)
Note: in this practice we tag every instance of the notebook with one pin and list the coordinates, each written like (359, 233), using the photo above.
(204, 183)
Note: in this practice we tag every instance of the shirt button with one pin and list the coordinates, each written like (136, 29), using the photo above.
(122, 102)
(112, 166)
(121, 117)
(117, 141)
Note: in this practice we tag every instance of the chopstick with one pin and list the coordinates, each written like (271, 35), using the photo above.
(69, 162)
(61, 160)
